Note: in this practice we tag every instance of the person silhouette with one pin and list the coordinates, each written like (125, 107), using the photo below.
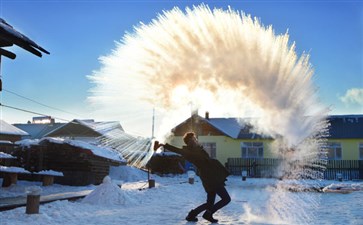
(211, 172)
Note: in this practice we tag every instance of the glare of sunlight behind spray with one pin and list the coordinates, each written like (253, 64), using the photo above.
(229, 64)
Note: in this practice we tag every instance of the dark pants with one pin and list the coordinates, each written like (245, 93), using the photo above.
(211, 197)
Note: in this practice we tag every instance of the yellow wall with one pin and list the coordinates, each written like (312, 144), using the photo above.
(227, 147)
(350, 148)
(231, 148)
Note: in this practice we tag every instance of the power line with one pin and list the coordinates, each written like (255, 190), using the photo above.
(32, 112)
(51, 107)
(42, 114)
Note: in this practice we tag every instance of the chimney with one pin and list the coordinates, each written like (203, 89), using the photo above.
(207, 115)
(194, 112)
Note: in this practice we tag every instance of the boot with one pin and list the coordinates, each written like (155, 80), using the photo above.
(209, 216)
(192, 216)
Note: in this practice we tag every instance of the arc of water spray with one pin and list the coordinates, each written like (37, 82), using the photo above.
(135, 149)
(221, 61)
(224, 62)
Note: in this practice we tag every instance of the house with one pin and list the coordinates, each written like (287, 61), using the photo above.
(345, 141)
(225, 137)
(85, 130)
(222, 137)
(11, 133)
(230, 141)
(76, 129)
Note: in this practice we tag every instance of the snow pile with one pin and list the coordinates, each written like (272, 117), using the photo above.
(127, 174)
(344, 186)
(107, 193)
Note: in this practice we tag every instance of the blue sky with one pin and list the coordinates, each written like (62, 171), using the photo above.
(77, 33)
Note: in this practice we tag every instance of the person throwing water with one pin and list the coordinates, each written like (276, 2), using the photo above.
(211, 172)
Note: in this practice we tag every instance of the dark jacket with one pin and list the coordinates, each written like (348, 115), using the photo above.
(212, 173)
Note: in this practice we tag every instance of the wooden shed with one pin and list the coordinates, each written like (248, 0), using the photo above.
(81, 163)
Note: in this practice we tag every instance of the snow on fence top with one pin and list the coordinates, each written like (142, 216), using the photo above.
(13, 169)
(4, 155)
(50, 173)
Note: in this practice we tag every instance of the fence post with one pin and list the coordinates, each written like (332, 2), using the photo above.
(244, 175)
(33, 200)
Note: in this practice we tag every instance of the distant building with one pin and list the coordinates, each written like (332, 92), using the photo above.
(70, 148)
(345, 141)
(43, 119)
(240, 149)
(86, 130)
(81, 163)
(225, 138)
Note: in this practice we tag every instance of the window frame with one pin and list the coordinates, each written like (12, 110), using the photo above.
(252, 150)
(334, 146)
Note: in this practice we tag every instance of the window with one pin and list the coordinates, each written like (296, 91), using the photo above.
(252, 149)
(334, 150)
(210, 148)
(361, 151)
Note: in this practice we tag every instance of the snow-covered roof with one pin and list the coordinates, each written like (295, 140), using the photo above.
(88, 128)
(346, 126)
(341, 126)
(100, 127)
(28, 142)
(229, 126)
(96, 150)
(9, 129)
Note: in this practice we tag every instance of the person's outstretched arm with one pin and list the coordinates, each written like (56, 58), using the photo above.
(168, 147)
(173, 148)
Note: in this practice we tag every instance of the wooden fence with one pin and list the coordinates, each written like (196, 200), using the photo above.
(348, 169)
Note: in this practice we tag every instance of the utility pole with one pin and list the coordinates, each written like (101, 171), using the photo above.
(153, 124)
(1, 81)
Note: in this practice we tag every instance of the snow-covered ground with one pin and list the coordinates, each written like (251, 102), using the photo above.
(254, 201)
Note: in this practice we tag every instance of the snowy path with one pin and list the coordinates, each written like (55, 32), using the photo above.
(169, 202)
